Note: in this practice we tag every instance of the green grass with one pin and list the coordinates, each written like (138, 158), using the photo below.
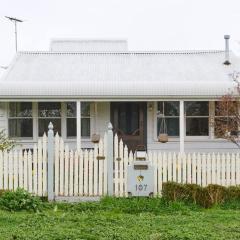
(122, 219)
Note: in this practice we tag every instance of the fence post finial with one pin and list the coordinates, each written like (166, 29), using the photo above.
(50, 174)
(110, 159)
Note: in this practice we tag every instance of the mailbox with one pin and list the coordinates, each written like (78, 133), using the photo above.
(140, 179)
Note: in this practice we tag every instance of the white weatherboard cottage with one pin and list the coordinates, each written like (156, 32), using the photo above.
(82, 85)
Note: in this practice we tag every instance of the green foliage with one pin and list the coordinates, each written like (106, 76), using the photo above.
(5, 142)
(121, 218)
(19, 200)
(204, 196)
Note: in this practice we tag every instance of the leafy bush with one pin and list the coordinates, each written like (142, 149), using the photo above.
(5, 142)
(20, 200)
(204, 196)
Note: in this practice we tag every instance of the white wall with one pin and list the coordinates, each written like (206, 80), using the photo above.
(195, 144)
(103, 116)
(3, 116)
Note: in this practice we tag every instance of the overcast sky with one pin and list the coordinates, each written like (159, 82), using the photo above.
(147, 24)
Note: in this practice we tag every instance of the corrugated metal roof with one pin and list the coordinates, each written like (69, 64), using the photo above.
(119, 74)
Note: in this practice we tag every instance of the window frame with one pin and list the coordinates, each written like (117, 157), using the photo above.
(82, 117)
(187, 138)
(16, 118)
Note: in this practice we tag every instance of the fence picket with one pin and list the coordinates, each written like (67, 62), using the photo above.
(121, 168)
(91, 173)
(204, 182)
(218, 169)
(125, 165)
(5, 169)
(35, 169)
(155, 192)
(15, 169)
(179, 168)
(76, 173)
(10, 170)
(81, 164)
(184, 165)
(100, 164)
(44, 167)
(237, 169)
(105, 164)
(95, 174)
(29, 164)
(39, 167)
(169, 167)
(223, 168)
(194, 165)
(228, 170)
(61, 168)
(209, 168)
(56, 165)
(164, 167)
(213, 168)
(116, 163)
(199, 169)
(233, 170)
(160, 172)
(189, 168)
(66, 171)
(20, 166)
(71, 174)
(85, 173)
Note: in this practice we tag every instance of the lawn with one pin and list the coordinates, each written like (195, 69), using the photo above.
(121, 219)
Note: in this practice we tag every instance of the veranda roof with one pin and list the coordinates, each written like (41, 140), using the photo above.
(119, 75)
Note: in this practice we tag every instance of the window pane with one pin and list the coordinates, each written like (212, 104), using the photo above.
(197, 108)
(43, 126)
(71, 109)
(171, 108)
(71, 127)
(49, 109)
(20, 109)
(20, 128)
(168, 108)
(197, 126)
(85, 127)
(85, 109)
(172, 126)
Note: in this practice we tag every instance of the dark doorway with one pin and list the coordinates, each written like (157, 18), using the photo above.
(129, 122)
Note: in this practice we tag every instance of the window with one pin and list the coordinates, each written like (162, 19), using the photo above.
(20, 120)
(71, 119)
(197, 118)
(170, 112)
(49, 112)
(226, 121)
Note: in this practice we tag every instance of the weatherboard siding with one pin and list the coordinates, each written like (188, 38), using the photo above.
(3, 116)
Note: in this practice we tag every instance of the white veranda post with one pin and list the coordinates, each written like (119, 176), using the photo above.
(78, 126)
(182, 126)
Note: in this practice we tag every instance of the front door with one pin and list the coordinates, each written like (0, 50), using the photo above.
(129, 122)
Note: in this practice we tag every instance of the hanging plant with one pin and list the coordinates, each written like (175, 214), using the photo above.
(163, 135)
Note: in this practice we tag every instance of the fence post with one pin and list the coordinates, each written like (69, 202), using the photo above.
(110, 159)
(50, 162)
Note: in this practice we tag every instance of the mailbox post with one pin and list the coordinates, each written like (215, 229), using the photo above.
(140, 177)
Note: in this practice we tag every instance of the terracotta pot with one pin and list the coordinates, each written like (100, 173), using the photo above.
(95, 138)
(163, 137)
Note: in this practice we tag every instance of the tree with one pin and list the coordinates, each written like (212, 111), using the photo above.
(227, 114)
(5, 142)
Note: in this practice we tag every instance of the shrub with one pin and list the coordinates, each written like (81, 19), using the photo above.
(204, 196)
(20, 200)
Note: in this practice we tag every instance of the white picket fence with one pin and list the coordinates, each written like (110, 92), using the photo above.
(25, 169)
(85, 173)
(80, 174)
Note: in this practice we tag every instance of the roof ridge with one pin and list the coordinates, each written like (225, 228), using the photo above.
(125, 52)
